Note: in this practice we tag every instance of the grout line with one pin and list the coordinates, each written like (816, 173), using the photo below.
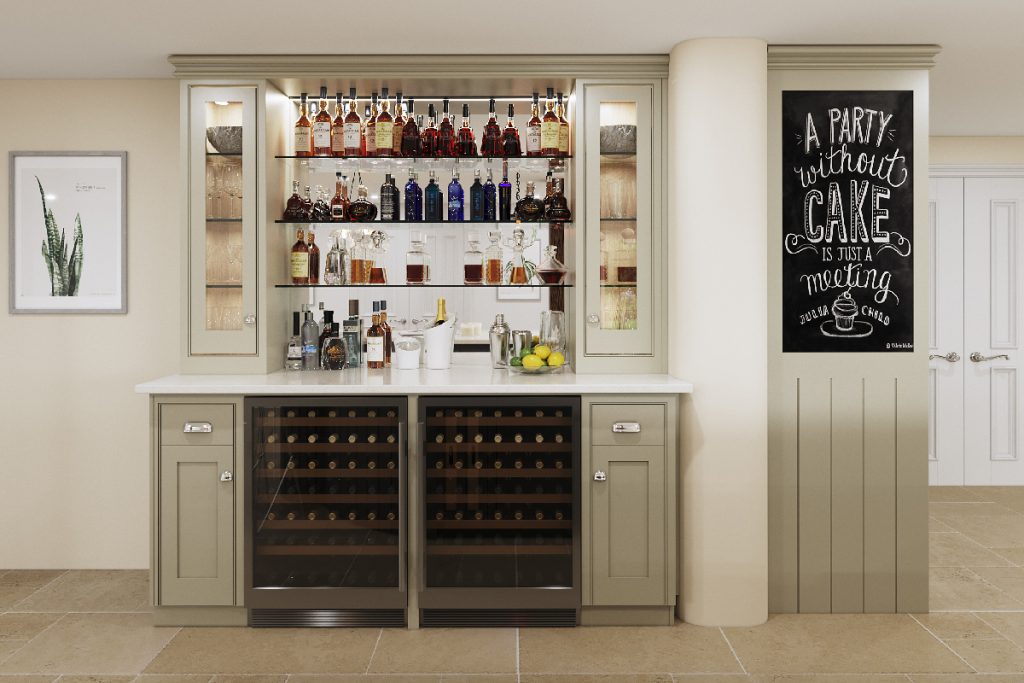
(369, 663)
(984, 547)
(1010, 640)
(991, 585)
(48, 583)
(733, 651)
(11, 654)
(944, 644)
(169, 641)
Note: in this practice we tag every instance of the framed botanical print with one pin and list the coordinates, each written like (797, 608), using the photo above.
(68, 232)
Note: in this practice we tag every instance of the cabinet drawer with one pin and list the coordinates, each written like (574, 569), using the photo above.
(649, 416)
(175, 416)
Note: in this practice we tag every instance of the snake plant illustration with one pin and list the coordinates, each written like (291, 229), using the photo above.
(65, 272)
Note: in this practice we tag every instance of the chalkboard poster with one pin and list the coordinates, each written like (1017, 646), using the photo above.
(848, 221)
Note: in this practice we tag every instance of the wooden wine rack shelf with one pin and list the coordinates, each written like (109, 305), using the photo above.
(330, 524)
(340, 447)
(368, 550)
(503, 473)
(503, 447)
(325, 473)
(499, 524)
(499, 550)
(324, 498)
(278, 422)
(508, 422)
(489, 498)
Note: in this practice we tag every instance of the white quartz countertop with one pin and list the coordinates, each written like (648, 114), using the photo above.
(468, 379)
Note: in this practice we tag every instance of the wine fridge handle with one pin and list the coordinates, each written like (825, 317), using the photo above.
(421, 531)
(403, 473)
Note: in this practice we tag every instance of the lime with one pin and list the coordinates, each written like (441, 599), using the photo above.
(525, 352)
(516, 361)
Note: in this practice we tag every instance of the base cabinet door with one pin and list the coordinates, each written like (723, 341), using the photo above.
(628, 525)
(197, 520)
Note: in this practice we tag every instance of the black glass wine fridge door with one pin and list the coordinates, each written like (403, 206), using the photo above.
(501, 509)
(325, 505)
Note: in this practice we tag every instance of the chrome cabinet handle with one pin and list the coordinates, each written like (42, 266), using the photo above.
(198, 428)
(978, 358)
(600, 476)
(227, 476)
(593, 319)
(626, 428)
(952, 356)
(250, 319)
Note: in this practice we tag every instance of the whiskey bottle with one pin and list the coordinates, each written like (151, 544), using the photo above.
(465, 142)
(563, 129)
(432, 199)
(370, 130)
(300, 260)
(428, 136)
(388, 199)
(510, 145)
(322, 128)
(411, 133)
(384, 127)
(413, 199)
(490, 143)
(353, 141)
(303, 135)
(493, 259)
(549, 127)
(295, 210)
(375, 345)
(529, 208)
(314, 259)
(455, 198)
(445, 133)
(476, 198)
(473, 262)
(388, 346)
(533, 129)
(504, 194)
(338, 127)
(399, 126)
(340, 202)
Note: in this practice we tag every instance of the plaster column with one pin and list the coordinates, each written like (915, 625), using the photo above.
(717, 118)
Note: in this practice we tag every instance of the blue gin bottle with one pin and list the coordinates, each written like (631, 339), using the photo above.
(456, 209)
(413, 199)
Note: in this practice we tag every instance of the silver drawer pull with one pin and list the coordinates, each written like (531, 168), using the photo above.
(626, 428)
(198, 428)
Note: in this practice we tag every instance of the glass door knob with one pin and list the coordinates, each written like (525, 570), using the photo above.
(593, 319)
(250, 319)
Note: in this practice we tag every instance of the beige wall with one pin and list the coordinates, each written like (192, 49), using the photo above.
(976, 150)
(74, 462)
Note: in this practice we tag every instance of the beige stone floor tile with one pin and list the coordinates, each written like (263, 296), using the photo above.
(259, 678)
(92, 591)
(271, 650)
(841, 643)
(91, 643)
(1010, 580)
(18, 584)
(711, 678)
(829, 678)
(960, 625)
(951, 494)
(1008, 624)
(937, 526)
(4, 678)
(478, 678)
(960, 589)
(942, 511)
(991, 531)
(675, 649)
(1014, 555)
(1007, 496)
(365, 678)
(97, 678)
(957, 550)
(174, 678)
(24, 626)
(598, 678)
(965, 678)
(8, 647)
(990, 656)
(445, 650)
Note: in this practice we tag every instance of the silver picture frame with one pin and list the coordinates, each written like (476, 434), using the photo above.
(107, 211)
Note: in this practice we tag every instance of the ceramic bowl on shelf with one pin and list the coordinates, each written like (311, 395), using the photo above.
(225, 139)
(618, 139)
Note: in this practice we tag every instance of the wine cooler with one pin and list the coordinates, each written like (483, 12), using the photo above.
(326, 514)
(500, 536)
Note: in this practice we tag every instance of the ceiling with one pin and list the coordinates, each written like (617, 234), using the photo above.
(976, 88)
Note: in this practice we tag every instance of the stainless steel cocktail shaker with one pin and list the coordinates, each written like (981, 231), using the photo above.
(500, 337)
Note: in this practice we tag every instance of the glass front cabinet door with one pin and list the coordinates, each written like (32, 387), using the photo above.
(621, 140)
(222, 221)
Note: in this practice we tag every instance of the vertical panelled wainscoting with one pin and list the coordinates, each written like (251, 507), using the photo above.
(848, 432)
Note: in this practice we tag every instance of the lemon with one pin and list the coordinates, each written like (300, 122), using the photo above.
(556, 360)
(542, 351)
(532, 361)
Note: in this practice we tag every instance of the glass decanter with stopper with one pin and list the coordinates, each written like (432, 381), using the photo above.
(494, 259)
(335, 269)
(359, 273)
(362, 209)
(519, 270)
(378, 274)
(551, 271)
(416, 261)
(473, 261)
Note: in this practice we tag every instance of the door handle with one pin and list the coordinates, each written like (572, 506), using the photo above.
(951, 357)
(978, 358)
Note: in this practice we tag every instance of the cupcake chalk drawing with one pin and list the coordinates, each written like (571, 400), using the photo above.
(845, 323)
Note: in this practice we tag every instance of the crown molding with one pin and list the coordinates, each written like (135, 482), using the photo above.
(820, 57)
(976, 170)
(415, 66)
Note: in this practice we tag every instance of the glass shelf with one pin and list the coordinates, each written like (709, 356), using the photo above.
(408, 159)
(408, 286)
(620, 285)
(223, 220)
(442, 222)
(223, 154)
(423, 164)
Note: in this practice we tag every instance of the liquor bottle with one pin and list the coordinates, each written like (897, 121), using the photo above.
(490, 143)
(384, 127)
(533, 129)
(551, 270)
(321, 212)
(322, 128)
(327, 331)
(416, 261)
(362, 132)
(432, 199)
(529, 208)
(378, 273)
(413, 199)
(399, 127)
(490, 198)
(504, 194)
(303, 131)
(307, 204)
(353, 131)
(473, 262)
(558, 207)
(465, 141)
(388, 199)
(293, 358)
(300, 260)
(517, 274)
(493, 259)
(310, 339)
(476, 198)
(338, 127)
(314, 259)
(362, 210)
(294, 210)
(456, 210)
(445, 133)
(340, 201)
(549, 127)
(370, 130)
(375, 344)
(442, 316)
(359, 273)
(411, 133)
(510, 145)
(428, 136)
(563, 129)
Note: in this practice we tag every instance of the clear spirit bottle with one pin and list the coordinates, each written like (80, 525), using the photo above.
(494, 259)
(416, 261)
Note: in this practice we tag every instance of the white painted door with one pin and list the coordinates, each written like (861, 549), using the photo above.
(946, 332)
(993, 301)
